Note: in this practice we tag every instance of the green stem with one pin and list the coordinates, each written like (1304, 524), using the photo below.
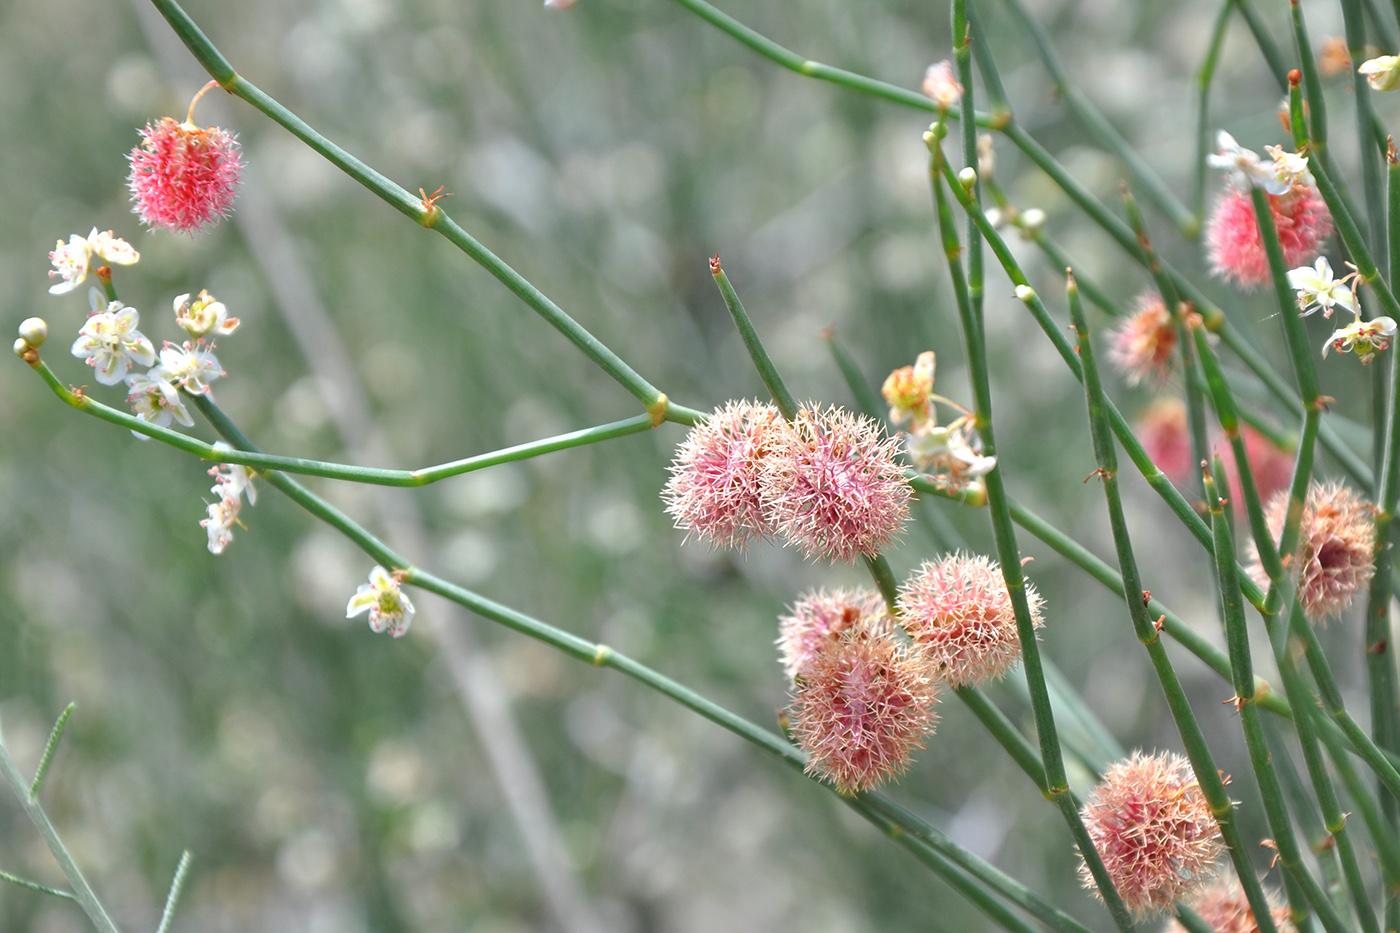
(1193, 739)
(420, 209)
(1317, 107)
(1273, 58)
(867, 400)
(761, 361)
(177, 887)
(1351, 236)
(908, 827)
(1204, 76)
(82, 891)
(55, 734)
(1006, 733)
(1100, 129)
(1237, 637)
(1380, 660)
(371, 475)
(1004, 534)
(35, 886)
(1172, 624)
(1002, 121)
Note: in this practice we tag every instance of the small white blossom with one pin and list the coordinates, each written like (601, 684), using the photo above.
(73, 260)
(223, 515)
(191, 366)
(389, 607)
(1290, 168)
(70, 263)
(1367, 338)
(1382, 73)
(110, 342)
(1245, 167)
(232, 480)
(156, 399)
(112, 248)
(942, 86)
(203, 315)
(1317, 289)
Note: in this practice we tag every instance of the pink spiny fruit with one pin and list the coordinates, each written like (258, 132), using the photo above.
(834, 487)
(1153, 829)
(184, 177)
(1335, 556)
(715, 490)
(819, 618)
(1225, 908)
(1232, 235)
(958, 611)
(863, 705)
(1143, 343)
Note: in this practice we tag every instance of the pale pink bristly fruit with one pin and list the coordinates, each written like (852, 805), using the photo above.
(715, 488)
(1143, 343)
(958, 611)
(1224, 907)
(1335, 556)
(834, 486)
(864, 704)
(1153, 829)
(819, 618)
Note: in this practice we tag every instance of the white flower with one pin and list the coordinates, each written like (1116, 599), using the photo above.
(1245, 166)
(203, 315)
(192, 367)
(1367, 338)
(232, 480)
(940, 85)
(73, 260)
(70, 263)
(110, 342)
(154, 398)
(1290, 168)
(222, 517)
(112, 248)
(1383, 73)
(389, 607)
(1317, 289)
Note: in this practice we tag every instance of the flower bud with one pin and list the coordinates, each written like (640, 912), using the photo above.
(34, 331)
(1032, 220)
(1025, 292)
(967, 178)
(22, 347)
(942, 86)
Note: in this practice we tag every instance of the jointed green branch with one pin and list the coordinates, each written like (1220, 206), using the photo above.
(902, 826)
(1056, 783)
(371, 475)
(421, 210)
(82, 891)
(1202, 761)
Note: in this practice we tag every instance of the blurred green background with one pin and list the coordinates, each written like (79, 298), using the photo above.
(326, 779)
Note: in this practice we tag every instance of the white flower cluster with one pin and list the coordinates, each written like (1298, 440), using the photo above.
(156, 383)
(1316, 288)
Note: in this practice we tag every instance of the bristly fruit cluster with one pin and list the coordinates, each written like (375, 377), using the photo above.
(1154, 831)
(829, 482)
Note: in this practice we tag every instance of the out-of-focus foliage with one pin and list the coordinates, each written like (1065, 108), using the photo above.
(327, 779)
